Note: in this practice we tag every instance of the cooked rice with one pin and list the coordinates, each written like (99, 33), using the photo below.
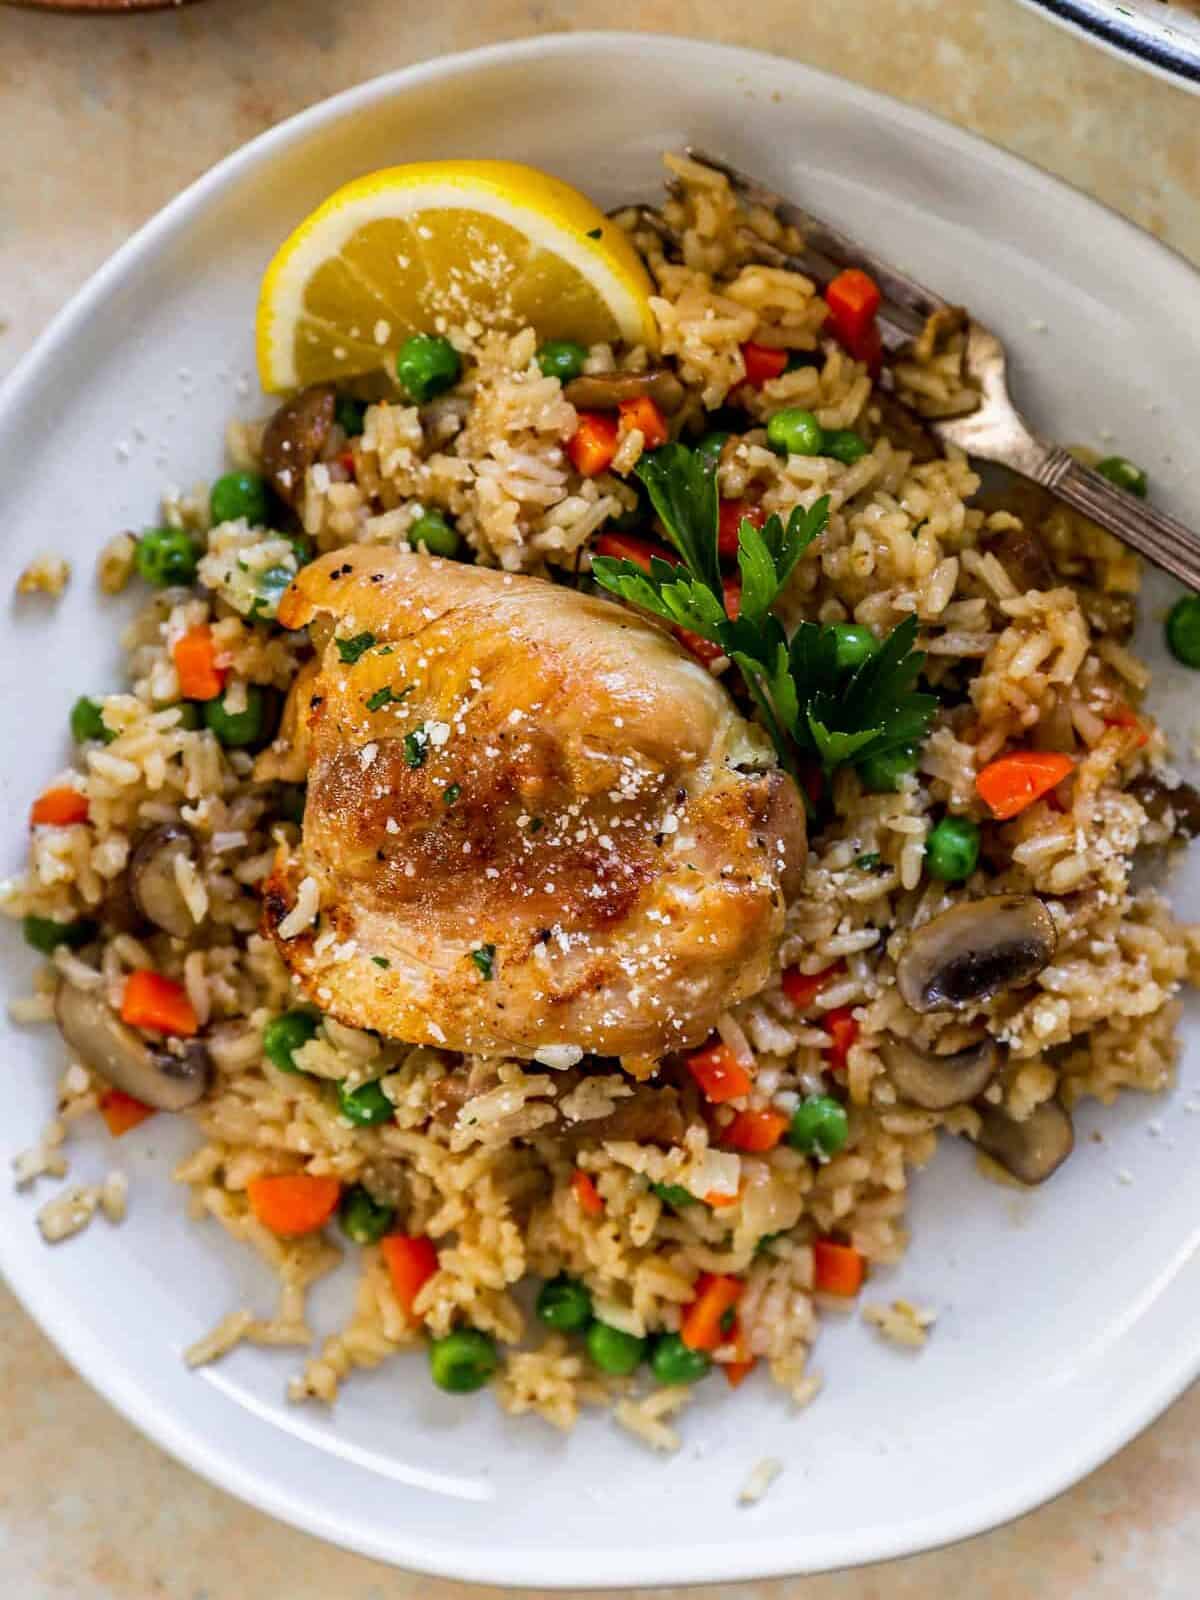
(492, 1185)
(47, 574)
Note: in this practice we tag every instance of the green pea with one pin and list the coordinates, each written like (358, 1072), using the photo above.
(284, 1035)
(302, 545)
(673, 1362)
(673, 1194)
(881, 773)
(855, 644)
(613, 1350)
(364, 1220)
(292, 800)
(559, 358)
(564, 1304)
(1183, 630)
(366, 1107)
(87, 722)
(190, 716)
(166, 556)
(350, 415)
(45, 934)
(793, 432)
(846, 446)
(709, 449)
(1125, 474)
(432, 532)
(462, 1361)
(240, 494)
(238, 728)
(426, 366)
(819, 1126)
(952, 849)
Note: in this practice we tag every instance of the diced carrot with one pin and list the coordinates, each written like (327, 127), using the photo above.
(59, 807)
(1122, 717)
(837, 1268)
(743, 1363)
(345, 460)
(716, 1293)
(705, 651)
(628, 547)
(411, 1261)
(152, 1001)
(719, 1073)
(294, 1203)
(122, 1112)
(587, 1194)
(842, 1029)
(755, 1131)
(1012, 783)
(593, 444)
(716, 1198)
(729, 520)
(762, 362)
(200, 678)
(643, 414)
(853, 299)
(802, 988)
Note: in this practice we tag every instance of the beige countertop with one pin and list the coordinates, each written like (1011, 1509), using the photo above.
(103, 121)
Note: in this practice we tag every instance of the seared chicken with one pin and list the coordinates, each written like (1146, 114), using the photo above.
(534, 825)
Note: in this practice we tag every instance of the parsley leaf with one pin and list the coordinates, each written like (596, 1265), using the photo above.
(387, 696)
(350, 649)
(381, 961)
(484, 959)
(416, 747)
(808, 706)
(684, 494)
(451, 793)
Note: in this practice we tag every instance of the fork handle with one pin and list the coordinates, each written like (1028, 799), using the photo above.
(1160, 538)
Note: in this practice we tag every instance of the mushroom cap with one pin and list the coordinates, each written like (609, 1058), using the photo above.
(154, 1075)
(974, 950)
(152, 881)
(1030, 1150)
(935, 1083)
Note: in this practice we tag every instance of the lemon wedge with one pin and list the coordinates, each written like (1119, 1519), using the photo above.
(438, 245)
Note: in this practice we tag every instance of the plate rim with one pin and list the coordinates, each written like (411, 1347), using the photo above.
(52, 1308)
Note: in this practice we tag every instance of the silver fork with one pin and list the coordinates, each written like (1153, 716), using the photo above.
(994, 430)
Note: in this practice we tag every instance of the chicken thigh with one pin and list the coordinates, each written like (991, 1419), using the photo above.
(534, 825)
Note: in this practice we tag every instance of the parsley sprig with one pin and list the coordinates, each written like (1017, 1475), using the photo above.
(809, 706)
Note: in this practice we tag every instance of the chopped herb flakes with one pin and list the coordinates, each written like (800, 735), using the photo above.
(536, 824)
(416, 747)
(595, 233)
(484, 959)
(451, 794)
(387, 696)
(868, 861)
(381, 961)
(350, 649)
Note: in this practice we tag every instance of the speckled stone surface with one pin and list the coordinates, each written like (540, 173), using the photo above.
(102, 122)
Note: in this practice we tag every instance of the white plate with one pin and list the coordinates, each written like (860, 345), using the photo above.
(1165, 39)
(1068, 1317)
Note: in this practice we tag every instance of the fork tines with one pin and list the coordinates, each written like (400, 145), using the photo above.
(907, 304)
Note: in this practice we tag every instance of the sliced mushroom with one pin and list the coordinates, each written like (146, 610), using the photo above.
(648, 1116)
(1023, 556)
(295, 437)
(1181, 804)
(604, 391)
(153, 882)
(937, 1082)
(1031, 1150)
(152, 1074)
(974, 950)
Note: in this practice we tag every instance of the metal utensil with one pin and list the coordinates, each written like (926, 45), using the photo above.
(994, 430)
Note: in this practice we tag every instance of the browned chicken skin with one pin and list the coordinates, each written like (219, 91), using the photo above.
(532, 820)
